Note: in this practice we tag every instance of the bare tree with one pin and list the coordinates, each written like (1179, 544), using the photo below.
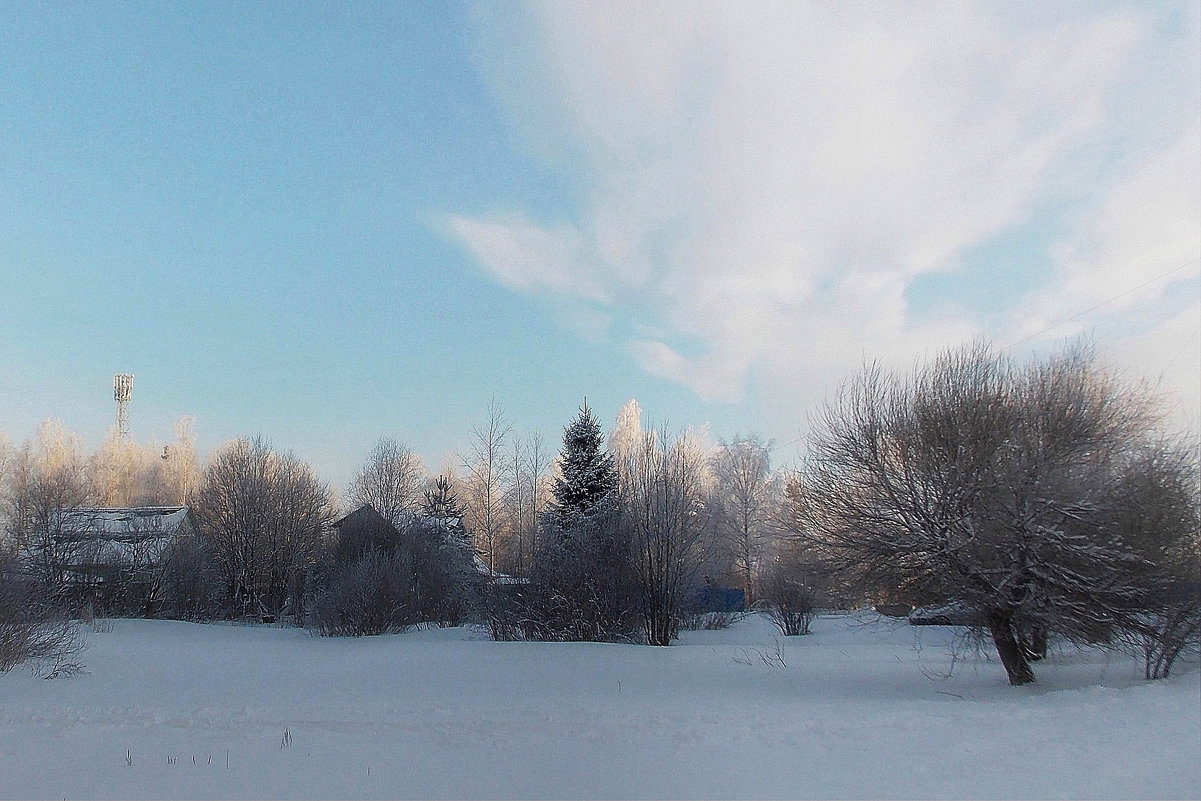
(42, 485)
(979, 480)
(665, 494)
(392, 480)
(742, 508)
(262, 513)
(1158, 510)
(190, 577)
(488, 472)
(46, 485)
(525, 501)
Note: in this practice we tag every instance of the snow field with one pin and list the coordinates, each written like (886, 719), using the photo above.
(850, 711)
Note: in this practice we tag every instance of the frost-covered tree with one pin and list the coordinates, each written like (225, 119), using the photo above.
(742, 506)
(46, 483)
(627, 432)
(992, 483)
(587, 482)
(390, 480)
(180, 468)
(127, 473)
(581, 576)
(118, 471)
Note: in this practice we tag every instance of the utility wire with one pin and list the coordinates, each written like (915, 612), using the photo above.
(1180, 352)
(1092, 308)
(1105, 302)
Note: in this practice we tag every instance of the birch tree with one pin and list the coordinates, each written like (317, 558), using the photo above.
(743, 506)
(665, 493)
(488, 473)
(391, 479)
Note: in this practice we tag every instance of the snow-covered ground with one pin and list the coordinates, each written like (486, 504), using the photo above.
(178, 710)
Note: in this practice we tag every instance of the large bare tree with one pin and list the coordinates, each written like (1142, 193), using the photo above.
(262, 512)
(742, 506)
(989, 482)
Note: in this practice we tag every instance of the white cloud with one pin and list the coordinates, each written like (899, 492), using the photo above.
(766, 180)
(524, 256)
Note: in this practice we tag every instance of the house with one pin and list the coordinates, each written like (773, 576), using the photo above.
(111, 556)
(370, 528)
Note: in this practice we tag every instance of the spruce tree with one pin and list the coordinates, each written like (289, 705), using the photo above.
(587, 485)
(443, 506)
(457, 584)
(581, 570)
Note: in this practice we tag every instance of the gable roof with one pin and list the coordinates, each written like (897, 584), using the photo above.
(125, 524)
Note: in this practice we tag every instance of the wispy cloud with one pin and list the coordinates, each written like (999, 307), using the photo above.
(765, 182)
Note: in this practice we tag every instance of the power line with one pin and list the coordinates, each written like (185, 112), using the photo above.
(1180, 352)
(1105, 302)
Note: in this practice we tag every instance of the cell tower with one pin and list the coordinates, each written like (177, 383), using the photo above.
(122, 392)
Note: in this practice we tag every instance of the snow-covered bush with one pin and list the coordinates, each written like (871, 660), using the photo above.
(379, 578)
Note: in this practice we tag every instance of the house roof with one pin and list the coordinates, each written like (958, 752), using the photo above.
(125, 536)
(495, 576)
(125, 524)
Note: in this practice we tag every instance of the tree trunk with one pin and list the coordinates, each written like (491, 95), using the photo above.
(1038, 642)
(1000, 624)
(658, 630)
(1033, 641)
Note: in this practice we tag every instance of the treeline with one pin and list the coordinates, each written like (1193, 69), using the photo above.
(1043, 500)
(505, 538)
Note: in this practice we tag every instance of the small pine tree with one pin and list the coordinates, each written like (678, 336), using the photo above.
(455, 554)
(442, 505)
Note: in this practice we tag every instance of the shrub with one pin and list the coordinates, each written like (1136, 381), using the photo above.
(33, 629)
(374, 594)
(790, 603)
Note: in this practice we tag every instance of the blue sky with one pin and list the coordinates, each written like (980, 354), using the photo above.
(330, 222)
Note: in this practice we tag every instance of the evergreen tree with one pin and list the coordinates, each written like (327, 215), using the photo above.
(587, 485)
(443, 506)
(457, 587)
(581, 573)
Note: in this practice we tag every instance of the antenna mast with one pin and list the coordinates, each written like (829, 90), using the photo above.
(122, 392)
